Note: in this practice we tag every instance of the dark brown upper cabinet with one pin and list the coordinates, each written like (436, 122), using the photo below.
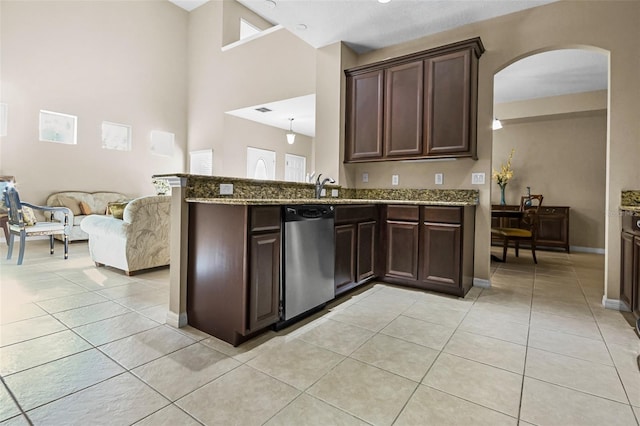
(422, 105)
(403, 110)
(364, 122)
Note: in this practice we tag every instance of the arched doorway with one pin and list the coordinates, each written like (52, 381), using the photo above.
(553, 106)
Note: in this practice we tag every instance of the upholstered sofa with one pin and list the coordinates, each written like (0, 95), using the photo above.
(138, 241)
(95, 202)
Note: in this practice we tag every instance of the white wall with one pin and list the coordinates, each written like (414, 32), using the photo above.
(123, 62)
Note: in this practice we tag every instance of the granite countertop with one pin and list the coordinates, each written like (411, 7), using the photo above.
(630, 201)
(333, 201)
(630, 208)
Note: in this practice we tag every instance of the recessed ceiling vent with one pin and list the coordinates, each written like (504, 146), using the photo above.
(263, 109)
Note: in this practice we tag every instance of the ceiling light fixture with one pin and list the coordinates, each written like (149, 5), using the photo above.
(383, 1)
(291, 137)
(497, 125)
(270, 4)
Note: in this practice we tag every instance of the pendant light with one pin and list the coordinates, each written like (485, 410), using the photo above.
(291, 137)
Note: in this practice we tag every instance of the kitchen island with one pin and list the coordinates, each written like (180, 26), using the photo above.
(228, 277)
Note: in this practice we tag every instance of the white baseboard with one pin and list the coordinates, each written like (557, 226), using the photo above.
(615, 304)
(479, 282)
(175, 320)
(579, 249)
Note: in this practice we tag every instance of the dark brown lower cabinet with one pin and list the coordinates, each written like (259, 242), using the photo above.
(233, 269)
(366, 250)
(434, 252)
(402, 249)
(356, 233)
(636, 282)
(442, 245)
(345, 264)
(264, 278)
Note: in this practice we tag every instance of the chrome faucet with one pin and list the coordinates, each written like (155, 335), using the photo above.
(320, 184)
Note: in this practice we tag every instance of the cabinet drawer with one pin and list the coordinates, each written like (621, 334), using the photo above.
(560, 211)
(409, 213)
(352, 214)
(443, 214)
(265, 218)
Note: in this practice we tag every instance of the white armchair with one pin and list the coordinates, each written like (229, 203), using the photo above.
(140, 240)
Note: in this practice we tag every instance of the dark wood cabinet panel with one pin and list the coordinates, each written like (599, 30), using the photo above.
(553, 228)
(426, 105)
(345, 263)
(364, 116)
(403, 110)
(628, 270)
(402, 250)
(441, 247)
(636, 277)
(264, 280)
(356, 235)
(233, 276)
(434, 253)
(366, 250)
(448, 100)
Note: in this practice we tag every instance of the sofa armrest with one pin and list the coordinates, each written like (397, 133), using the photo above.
(104, 225)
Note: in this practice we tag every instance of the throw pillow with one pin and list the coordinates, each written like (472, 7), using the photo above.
(117, 209)
(28, 216)
(85, 208)
(70, 203)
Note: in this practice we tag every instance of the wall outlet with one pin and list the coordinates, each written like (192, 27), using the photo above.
(365, 177)
(334, 192)
(439, 178)
(477, 178)
(394, 179)
(226, 189)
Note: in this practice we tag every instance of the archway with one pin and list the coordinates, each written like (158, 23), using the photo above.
(559, 131)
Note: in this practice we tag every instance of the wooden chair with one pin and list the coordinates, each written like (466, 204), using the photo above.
(18, 225)
(527, 231)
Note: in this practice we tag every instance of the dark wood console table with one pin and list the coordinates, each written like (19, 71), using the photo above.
(553, 224)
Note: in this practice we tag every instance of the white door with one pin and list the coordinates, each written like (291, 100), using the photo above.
(261, 164)
(295, 168)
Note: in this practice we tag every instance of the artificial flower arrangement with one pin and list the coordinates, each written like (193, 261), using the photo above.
(505, 174)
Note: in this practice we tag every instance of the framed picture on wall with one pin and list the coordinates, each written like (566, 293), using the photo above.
(162, 143)
(116, 136)
(57, 127)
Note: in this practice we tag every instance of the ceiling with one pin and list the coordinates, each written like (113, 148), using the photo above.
(366, 25)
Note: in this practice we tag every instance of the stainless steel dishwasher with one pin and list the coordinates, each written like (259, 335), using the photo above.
(308, 259)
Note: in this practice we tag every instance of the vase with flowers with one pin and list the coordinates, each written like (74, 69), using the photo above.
(503, 176)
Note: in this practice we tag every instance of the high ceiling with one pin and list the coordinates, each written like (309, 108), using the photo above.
(367, 25)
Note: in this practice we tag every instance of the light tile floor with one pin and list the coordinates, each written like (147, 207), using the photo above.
(82, 345)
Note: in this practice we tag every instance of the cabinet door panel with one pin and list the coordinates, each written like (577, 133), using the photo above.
(264, 276)
(366, 250)
(636, 277)
(626, 269)
(441, 254)
(345, 274)
(364, 112)
(403, 109)
(402, 249)
(447, 121)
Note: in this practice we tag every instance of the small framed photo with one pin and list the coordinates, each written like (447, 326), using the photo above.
(116, 136)
(59, 128)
